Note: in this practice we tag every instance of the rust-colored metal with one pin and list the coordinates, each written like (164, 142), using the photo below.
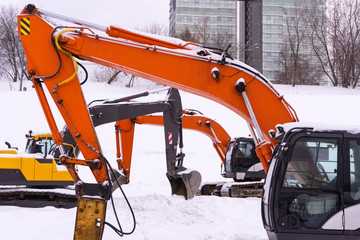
(90, 218)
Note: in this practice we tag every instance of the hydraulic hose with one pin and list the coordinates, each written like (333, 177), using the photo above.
(67, 54)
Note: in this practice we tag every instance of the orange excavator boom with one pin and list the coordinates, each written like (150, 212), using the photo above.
(191, 120)
(51, 53)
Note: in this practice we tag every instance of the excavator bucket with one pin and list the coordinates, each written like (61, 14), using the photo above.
(185, 183)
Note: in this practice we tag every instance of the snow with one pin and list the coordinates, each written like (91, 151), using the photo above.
(158, 214)
(322, 127)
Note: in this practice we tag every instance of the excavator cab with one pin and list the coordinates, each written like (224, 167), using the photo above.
(241, 161)
(312, 186)
(38, 143)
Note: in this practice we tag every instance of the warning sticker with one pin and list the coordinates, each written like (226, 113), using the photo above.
(170, 137)
(25, 26)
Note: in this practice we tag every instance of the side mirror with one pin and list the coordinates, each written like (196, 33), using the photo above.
(39, 143)
(8, 144)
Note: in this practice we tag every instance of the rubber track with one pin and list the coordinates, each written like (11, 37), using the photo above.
(235, 190)
(35, 198)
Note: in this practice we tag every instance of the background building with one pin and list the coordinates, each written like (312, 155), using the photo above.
(258, 28)
(212, 22)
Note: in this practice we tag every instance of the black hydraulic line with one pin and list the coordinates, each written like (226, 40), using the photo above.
(57, 52)
(86, 73)
(119, 230)
(143, 94)
(193, 111)
(181, 142)
(97, 100)
(256, 74)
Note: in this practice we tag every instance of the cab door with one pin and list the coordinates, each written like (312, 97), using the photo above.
(352, 185)
(310, 191)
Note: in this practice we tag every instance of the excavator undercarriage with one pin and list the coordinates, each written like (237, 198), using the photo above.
(24, 196)
(233, 189)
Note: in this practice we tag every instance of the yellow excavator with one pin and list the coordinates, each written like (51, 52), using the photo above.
(33, 178)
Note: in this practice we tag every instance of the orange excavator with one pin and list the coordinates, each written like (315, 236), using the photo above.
(311, 189)
(237, 155)
(183, 181)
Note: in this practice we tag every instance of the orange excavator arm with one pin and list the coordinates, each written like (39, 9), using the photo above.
(191, 120)
(125, 129)
(51, 52)
(168, 61)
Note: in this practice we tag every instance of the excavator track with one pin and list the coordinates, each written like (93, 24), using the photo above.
(37, 197)
(233, 189)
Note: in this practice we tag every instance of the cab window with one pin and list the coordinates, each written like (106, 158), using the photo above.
(244, 150)
(355, 169)
(313, 164)
(309, 193)
(228, 157)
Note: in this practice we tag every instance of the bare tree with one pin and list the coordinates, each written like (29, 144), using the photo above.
(295, 56)
(202, 30)
(187, 36)
(336, 41)
(106, 74)
(12, 56)
(222, 39)
(155, 28)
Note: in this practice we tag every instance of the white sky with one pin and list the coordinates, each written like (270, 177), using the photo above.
(124, 13)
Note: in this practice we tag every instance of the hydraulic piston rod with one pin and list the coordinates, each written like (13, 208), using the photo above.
(240, 86)
(263, 148)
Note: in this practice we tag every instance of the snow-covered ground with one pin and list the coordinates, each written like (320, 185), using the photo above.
(158, 214)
